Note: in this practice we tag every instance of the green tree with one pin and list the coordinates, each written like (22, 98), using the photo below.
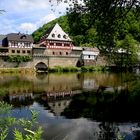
(130, 47)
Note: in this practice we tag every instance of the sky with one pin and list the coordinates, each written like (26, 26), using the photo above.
(26, 16)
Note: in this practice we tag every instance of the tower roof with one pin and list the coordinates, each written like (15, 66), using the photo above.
(57, 33)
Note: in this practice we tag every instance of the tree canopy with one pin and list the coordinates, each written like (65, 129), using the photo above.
(106, 24)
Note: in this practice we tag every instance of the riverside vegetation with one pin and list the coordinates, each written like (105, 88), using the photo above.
(23, 129)
(107, 34)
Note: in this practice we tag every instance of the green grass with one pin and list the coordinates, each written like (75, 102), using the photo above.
(16, 70)
(76, 69)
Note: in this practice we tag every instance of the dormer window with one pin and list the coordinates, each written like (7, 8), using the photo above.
(64, 36)
(59, 36)
(53, 35)
(23, 36)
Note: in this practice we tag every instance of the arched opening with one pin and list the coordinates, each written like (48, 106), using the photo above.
(41, 67)
(79, 63)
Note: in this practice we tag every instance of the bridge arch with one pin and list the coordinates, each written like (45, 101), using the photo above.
(41, 66)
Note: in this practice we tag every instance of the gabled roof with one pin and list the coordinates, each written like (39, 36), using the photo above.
(57, 33)
(19, 37)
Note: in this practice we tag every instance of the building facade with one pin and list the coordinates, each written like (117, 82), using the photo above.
(16, 44)
(55, 48)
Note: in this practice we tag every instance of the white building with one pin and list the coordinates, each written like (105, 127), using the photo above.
(89, 55)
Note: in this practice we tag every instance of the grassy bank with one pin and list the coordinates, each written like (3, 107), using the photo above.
(17, 70)
(78, 69)
(55, 69)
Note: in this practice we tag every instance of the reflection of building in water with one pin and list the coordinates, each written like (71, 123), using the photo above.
(21, 97)
(58, 106)
(58, 101)
(24, 99)
(60, 95)
(89, 84)
(57, 83)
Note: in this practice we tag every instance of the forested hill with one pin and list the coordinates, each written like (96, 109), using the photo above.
(73, 30)
(77, 26)
(62, 21)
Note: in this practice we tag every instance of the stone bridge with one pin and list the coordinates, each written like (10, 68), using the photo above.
(44, 62)
(49, 61)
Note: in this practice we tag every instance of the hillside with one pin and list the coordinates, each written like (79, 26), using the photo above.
(79, 29)
(62, 21)
(75, 31)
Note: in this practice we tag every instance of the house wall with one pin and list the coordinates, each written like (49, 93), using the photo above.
(89, 57)
(20, 51)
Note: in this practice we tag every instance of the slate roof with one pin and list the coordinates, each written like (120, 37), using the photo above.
(19, 37)
(95, 49)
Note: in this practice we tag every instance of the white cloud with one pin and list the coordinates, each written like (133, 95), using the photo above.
(33, 4)
(46, 19)
(28, 15)
(23, 5)
(30, 27)
(27, 27)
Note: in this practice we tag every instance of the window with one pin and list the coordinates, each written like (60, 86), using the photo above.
(64, 36)
(58, 44)
(66, 44)
(66, 53)
(60, 53)
(23, 36)
(59, 36)
(88, 56)
(18, 51)
(13, 51)
(28, 51)
(53, 53)
(23, 51)
(53, 35)
(51, 44)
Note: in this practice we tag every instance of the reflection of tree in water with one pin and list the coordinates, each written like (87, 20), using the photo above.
(98, 106)
(107, 108)
(136, 131)
(109, 131)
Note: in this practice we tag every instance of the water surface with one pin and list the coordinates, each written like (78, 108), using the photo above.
(78, 106)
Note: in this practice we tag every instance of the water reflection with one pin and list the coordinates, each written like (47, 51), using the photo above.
(75, 106)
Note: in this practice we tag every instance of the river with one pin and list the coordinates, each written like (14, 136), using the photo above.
(78, 106)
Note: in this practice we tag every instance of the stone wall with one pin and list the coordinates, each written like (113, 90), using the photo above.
(62, 61)
(52, 61)
(4, 64)
(101, 61)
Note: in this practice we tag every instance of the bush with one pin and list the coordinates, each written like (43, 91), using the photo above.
(25, 132)
(18, 58)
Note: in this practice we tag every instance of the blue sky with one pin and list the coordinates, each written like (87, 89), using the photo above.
(26, 16)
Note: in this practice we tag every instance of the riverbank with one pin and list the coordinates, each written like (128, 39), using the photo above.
(78, 69)
(17, 70)
(53, 70)
(58, 69)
